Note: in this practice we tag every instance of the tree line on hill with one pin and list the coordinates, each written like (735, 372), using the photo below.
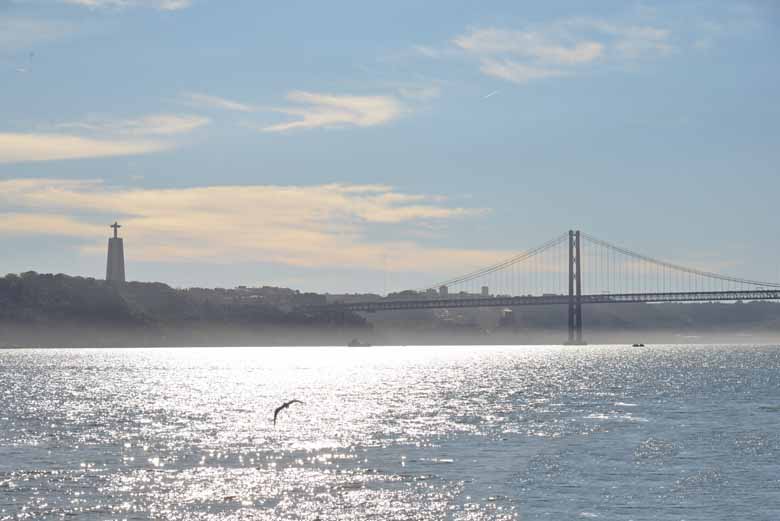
(46, 309)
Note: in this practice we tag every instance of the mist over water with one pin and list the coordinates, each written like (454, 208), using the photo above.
(463, 433)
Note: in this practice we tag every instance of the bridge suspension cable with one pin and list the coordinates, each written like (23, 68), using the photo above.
(606, 269)
(610, 269)
(504, 265)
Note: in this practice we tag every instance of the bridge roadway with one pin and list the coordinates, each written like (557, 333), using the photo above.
(547, 300)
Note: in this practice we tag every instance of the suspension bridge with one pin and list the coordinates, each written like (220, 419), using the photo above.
(573, 269)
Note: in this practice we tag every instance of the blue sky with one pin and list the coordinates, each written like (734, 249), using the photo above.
(353, 146)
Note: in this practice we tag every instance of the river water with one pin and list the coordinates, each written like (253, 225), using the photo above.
(391, 433)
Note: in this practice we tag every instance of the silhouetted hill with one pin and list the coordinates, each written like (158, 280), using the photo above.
(33, 298)
(59, 310)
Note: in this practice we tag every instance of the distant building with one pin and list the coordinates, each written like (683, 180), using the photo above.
(115, 264)
(485, 291)
(443, 291)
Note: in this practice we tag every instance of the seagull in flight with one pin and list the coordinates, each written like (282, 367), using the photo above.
(491, 94)
(284, 406)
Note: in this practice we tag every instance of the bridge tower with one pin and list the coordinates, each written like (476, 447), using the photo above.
(575, 289)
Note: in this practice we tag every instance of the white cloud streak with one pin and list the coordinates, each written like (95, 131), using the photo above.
(215, 102)
(425, 93)
(310, 226)
(156, 124)
(315, 110)
(166, 124)
(531, 44)
(560, 48)
(427, 51)
(629, 41)
(162, 5)
(517, 72)
(319, 110)
(19, 148)
(99, 138)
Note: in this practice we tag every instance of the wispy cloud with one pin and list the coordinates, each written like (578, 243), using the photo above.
(421, 93)
(560, 48)
(316, 110)
(517, 72)
(95, 138)
(163, 5)
(19, 148)
(428, 51)
(215, 102)
(166, 124)
(317, 226)
(23, 224)
(156, 124)
(531, 44)
(322, 110)
(629, 40)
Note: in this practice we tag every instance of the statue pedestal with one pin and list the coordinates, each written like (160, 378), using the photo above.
(115, 265)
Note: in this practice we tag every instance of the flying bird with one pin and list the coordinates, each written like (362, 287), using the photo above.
(284, 406)
(491, 94)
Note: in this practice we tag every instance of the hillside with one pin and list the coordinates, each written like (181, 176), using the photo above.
(60, 310)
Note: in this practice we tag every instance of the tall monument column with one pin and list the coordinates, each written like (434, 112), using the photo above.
(115, 264)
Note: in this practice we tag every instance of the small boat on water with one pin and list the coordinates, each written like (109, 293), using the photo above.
(638, 345)
(357, 343)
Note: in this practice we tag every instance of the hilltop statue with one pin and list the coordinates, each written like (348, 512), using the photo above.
(115, 264)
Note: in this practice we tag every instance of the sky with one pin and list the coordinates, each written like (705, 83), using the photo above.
(376, 146)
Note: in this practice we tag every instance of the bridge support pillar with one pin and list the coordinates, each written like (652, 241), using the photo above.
(575, 290)
(571, 287)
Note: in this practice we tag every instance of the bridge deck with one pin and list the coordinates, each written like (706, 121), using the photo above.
(547, 300)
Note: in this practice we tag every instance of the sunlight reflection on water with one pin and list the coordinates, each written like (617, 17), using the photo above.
(464, 433)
